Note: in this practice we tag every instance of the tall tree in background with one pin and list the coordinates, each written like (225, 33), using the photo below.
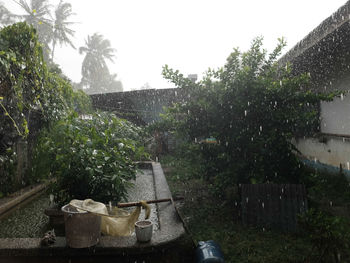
(61, 30)
(38, 15)
(6, 17)
(95, 72)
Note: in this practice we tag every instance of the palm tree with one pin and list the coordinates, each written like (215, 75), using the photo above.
(38, 15)
(6, 17)
(95, 73)
(61, 32)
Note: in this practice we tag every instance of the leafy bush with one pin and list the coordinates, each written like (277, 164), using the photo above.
(28, 88)
(7, 169)
(90, 157)
(325, 187)
(330, 236)
(253, 108)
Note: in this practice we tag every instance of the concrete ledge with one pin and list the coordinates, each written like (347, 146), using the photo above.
(11, 202)
(171, 230)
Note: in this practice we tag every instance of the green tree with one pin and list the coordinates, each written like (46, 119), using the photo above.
(61, 30)
(253, 108)
(37, 14)
(95, 72)
(29, 92)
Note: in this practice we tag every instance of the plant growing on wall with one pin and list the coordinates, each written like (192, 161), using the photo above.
(90, 157)
(251, 109)
(28, 87)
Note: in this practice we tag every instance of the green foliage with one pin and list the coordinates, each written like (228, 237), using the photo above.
(330, 236)
(324, 187)
(27, 86)
(90, 157)
(253, 108)
(209, 218)
(7, 169)
(51, 29)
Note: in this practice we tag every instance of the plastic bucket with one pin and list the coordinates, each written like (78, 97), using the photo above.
(83, 229)
(209, 252)
(143, 230)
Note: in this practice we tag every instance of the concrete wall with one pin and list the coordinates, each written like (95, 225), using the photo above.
(335, 115)
(327, 149)
(325, 54)
(140, 106)
(332, 146)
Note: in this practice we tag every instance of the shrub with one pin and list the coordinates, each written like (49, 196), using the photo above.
(28, 88)
(90, 157)
(253, 108)
(325, 187)
(330, 236)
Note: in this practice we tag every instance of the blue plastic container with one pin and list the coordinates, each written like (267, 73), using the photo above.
(209, 252)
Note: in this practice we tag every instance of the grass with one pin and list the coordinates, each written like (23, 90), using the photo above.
(210, 217)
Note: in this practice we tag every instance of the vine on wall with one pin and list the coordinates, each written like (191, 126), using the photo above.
(28, 87)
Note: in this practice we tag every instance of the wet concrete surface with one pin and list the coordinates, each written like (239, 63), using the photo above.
(144, 190)
(26, 220)
(165, 245)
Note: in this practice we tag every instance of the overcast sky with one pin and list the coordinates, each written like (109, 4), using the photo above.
(189, 35)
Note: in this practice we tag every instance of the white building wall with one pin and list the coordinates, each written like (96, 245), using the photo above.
(334, 147)
(331, 150)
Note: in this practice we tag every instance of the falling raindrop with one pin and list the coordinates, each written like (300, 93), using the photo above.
(245, 113)
(195, 140)
(261, 128)
(226, 144)
(330, 203)
(263, 205)
(246, 199)
(281, 83)
(341, 96)
(348, 165)
(156, 158)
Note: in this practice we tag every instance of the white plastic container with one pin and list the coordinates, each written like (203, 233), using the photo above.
(143, 230)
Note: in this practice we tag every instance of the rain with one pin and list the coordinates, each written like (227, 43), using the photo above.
(193, 131)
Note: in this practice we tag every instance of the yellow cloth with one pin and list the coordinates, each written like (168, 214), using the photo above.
(116, 223)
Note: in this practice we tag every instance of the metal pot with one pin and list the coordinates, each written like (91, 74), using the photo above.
(83, 229)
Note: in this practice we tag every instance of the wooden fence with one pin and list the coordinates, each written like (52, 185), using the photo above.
(273, 205)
